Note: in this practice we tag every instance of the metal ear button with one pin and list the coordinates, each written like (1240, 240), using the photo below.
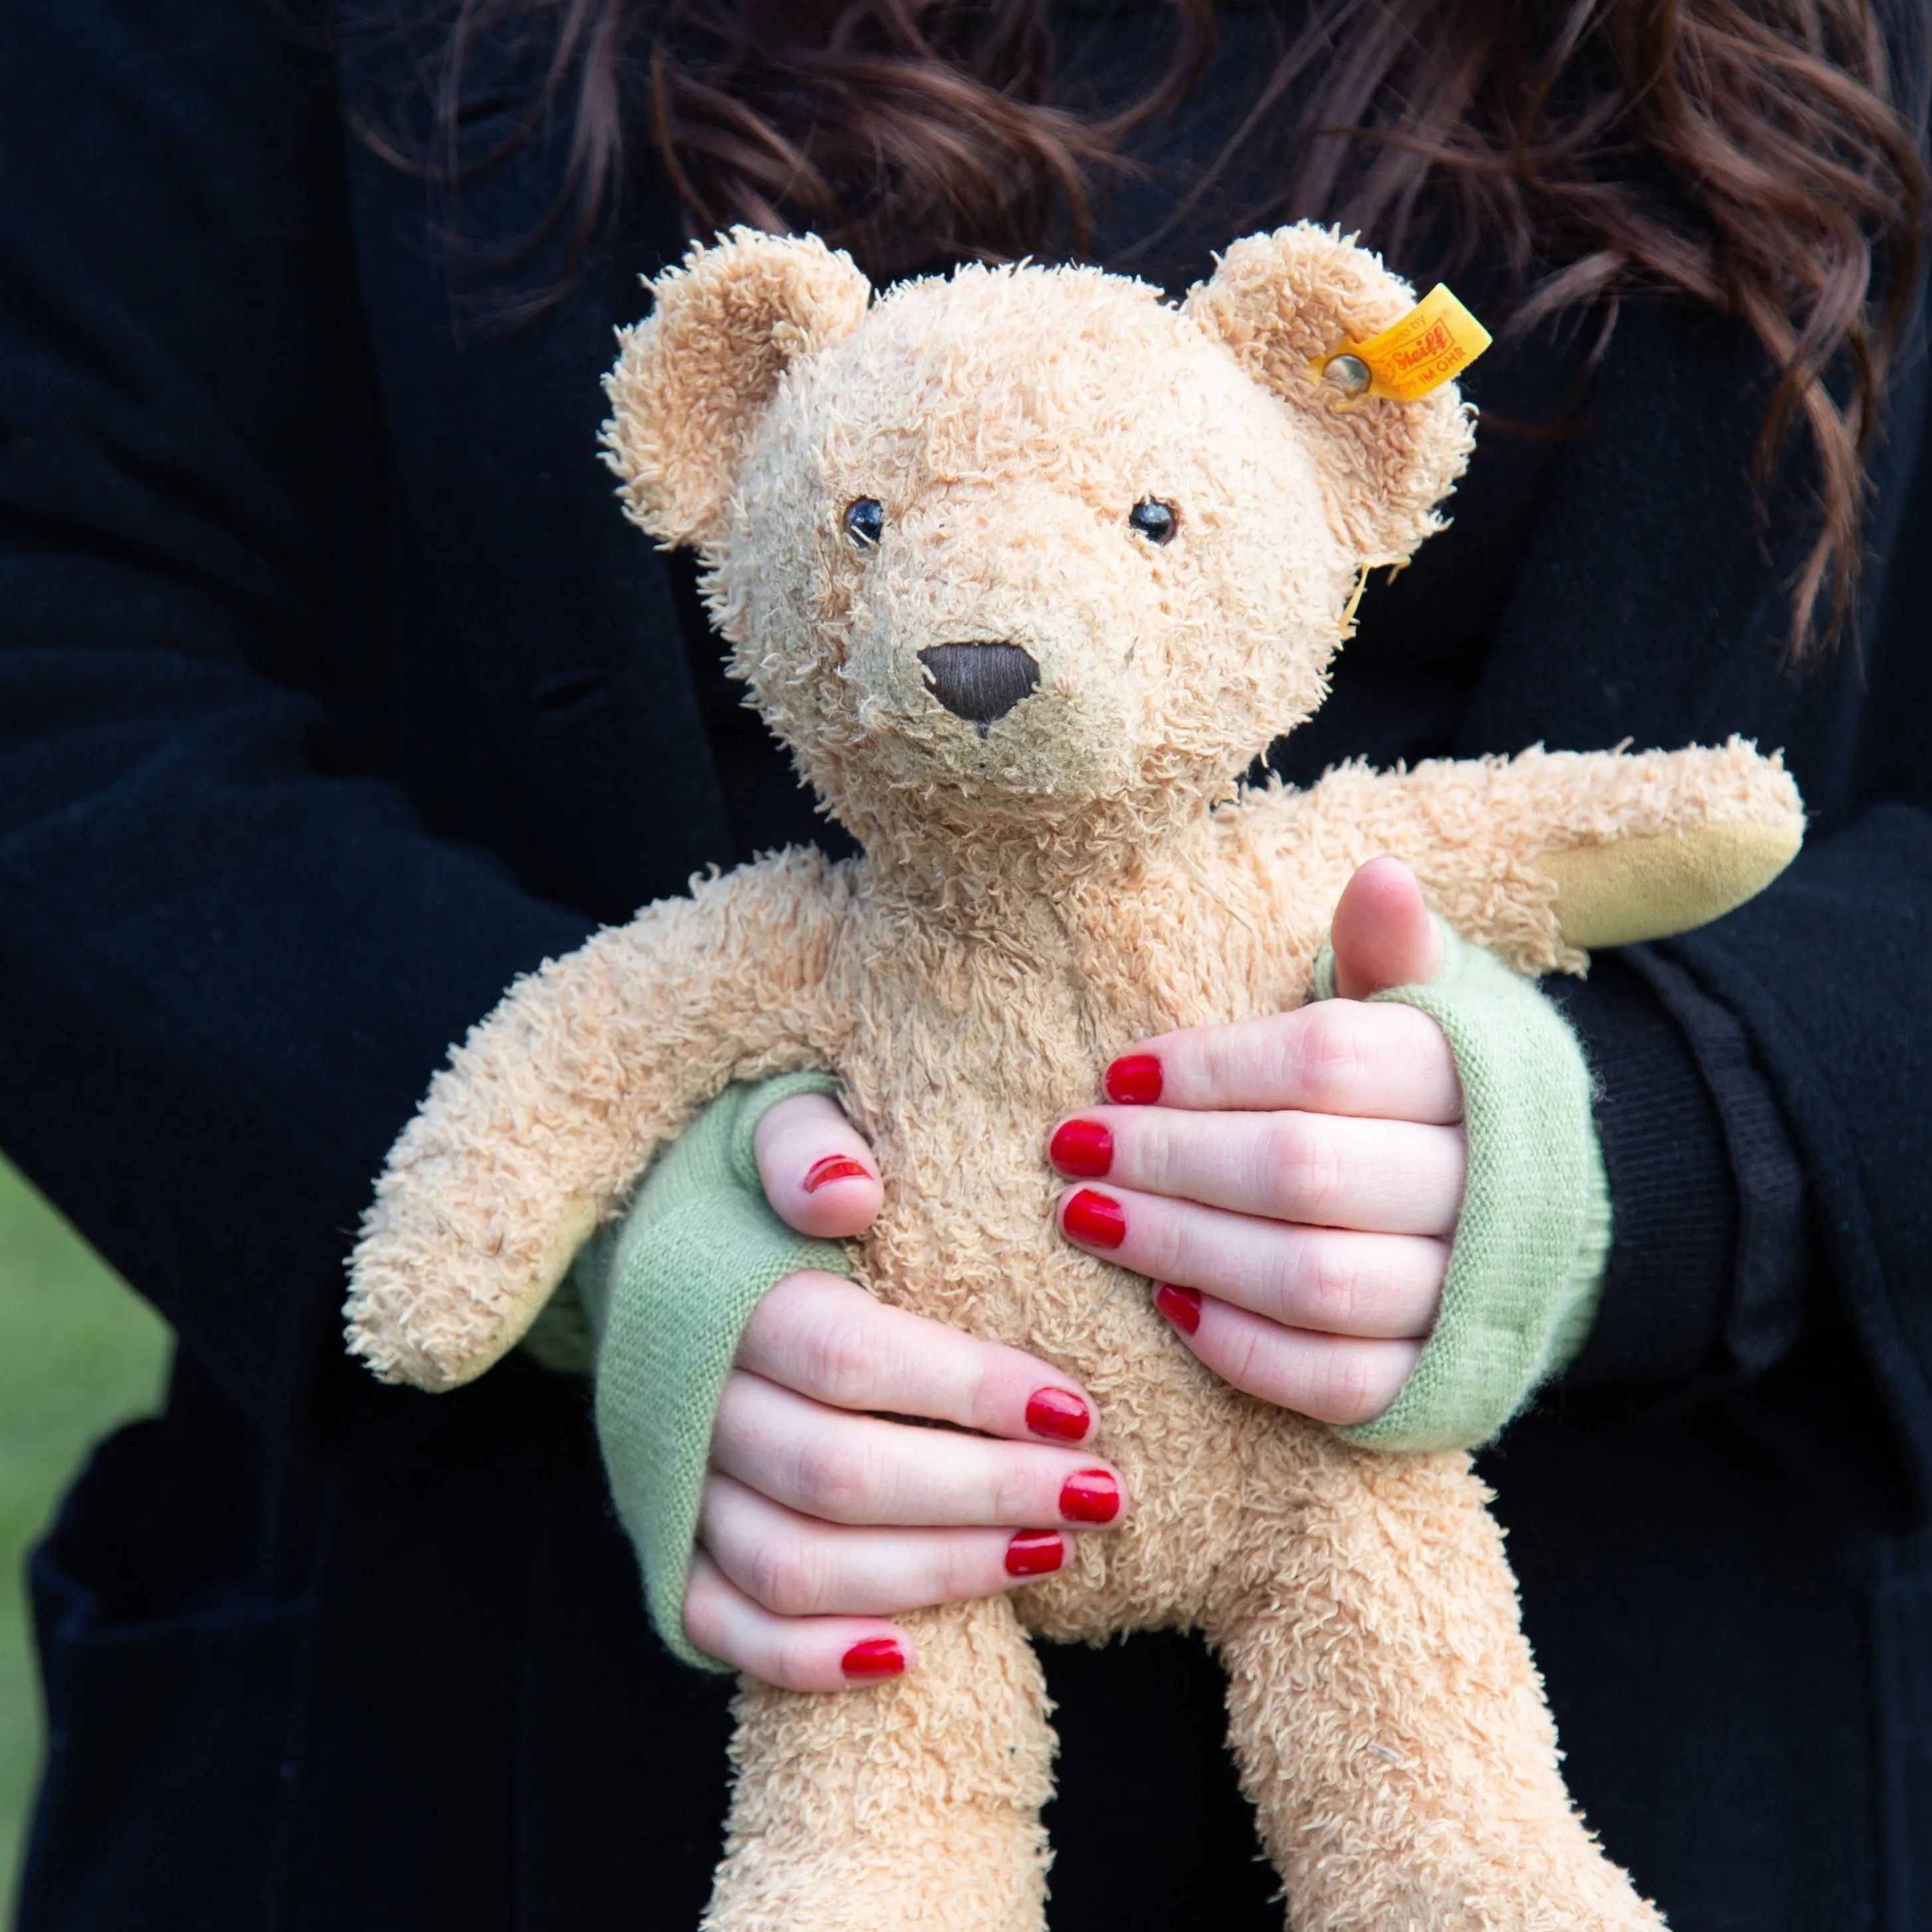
(1347, 375)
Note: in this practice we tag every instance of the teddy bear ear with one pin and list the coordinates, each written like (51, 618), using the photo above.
(693, 379)
(1285, 302)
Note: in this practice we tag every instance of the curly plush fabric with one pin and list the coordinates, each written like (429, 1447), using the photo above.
(1534, 1235)
(666, 1292)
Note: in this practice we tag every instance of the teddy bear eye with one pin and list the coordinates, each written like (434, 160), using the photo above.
(865, 522)
(1155, 520)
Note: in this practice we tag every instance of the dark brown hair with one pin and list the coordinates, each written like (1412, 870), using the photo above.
(1760, 157)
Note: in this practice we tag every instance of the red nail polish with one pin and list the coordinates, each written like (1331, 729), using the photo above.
(1036, 1553)
(1181, 1305)
(1084, 1148)
(1133, 1080)
(1089, 1496)
(1098, 1219)
(835, 1167)
(1058, 1413)
(876, 1657)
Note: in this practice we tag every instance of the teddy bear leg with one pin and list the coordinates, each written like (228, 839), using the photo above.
(912, 1803)
(1388, 1722)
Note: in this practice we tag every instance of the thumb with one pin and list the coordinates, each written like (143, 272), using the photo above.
(819, 1174)
(1382, 934)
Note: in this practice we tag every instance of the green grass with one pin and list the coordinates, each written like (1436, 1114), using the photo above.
(78, 1353)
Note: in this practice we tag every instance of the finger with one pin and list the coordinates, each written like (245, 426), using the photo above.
(1334, 1378)
(1388, 1177)
(1382, 932)
(795, 1566)
(794, 1653)
(861, 1469)
(819, 1174)
(1381, 1176)
(1386, 1286)
(1334, 1057)
(829, 1338)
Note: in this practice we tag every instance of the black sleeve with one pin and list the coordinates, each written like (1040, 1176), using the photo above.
(230, 962)
(1705, 1285)
(1762, 1107)
(1765, 1109)
(1829, 978)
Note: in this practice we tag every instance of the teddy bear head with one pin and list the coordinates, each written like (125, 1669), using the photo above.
(1024, 562)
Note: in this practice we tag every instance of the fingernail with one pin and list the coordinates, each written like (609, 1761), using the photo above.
(835, 1167)
(1181, 1305)
(1034, 1552)
(1089, 1496)
(1133, 1080)
(876, 1657)
(1082, 1147)
(1058, 1413)
(1099, 1220)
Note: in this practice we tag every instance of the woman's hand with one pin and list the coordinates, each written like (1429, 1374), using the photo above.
(1291, 1185)
(821, 1520)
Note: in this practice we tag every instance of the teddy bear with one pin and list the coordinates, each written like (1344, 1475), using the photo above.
(1026, 565)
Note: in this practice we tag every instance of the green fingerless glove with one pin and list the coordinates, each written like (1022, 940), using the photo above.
(666, 1291)
(1534, 1237)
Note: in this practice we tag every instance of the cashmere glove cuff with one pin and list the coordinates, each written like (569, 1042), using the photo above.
(666, 1290)
(1533, 1240)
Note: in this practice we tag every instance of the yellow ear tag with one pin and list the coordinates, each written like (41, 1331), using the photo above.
(1439, 338)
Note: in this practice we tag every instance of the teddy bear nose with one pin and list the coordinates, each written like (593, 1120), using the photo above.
(979, 682)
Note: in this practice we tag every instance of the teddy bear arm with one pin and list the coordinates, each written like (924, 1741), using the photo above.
(1651, 885)
(548, 1112)
(1539, 857)
(1594, 849)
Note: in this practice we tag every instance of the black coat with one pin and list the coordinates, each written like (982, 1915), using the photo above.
(334, 692)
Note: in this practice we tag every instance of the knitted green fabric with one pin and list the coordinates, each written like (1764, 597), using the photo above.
(1534, 1237)
(666, 1291)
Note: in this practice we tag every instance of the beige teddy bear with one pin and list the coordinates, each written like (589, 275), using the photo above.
(1026, 565)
